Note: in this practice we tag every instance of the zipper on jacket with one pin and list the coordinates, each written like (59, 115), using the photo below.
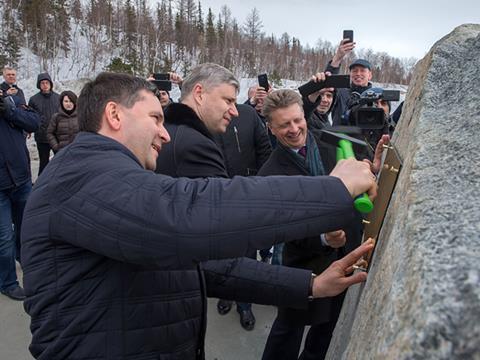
(236, 138)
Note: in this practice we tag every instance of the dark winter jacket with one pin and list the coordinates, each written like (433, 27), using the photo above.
(316, 120)
(192, 151)
(103, 240)
(245, 145)
(62, 127)
(309, 253)
(14, 157)
(20, 95)
(46, 104)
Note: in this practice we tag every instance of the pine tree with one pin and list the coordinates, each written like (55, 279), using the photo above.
(210, 37)
(130, 35)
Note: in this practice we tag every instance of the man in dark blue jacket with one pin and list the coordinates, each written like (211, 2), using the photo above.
(15, 185)
(106, 241)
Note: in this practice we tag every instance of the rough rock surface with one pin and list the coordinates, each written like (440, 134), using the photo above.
(422, 297)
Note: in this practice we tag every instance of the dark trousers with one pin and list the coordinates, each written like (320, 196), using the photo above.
(12, 204)
(43, 155)
(284, 341)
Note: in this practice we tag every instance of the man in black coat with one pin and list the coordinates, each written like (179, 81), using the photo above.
(302, 152)
(46, 103)
(193, 151)
(245, 147)
(108, 245)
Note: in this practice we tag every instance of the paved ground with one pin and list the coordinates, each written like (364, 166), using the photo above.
(226, 339)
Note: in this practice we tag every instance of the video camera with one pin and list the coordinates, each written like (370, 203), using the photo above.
(367, 116)
(364, 112)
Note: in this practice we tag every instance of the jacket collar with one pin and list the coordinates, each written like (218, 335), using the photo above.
(97, 141)
(360, 89)
(181, 114)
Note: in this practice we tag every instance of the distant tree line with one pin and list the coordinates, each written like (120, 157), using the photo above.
(175, 35)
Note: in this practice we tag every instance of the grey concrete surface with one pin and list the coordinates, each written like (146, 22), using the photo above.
(226, 339)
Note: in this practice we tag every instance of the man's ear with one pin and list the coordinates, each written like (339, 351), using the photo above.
(111, 114)
(198, 93)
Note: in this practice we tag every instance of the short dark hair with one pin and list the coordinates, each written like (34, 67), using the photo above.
(122, 88)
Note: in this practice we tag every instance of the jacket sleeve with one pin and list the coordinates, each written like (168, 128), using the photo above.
(333, 70)
(19, 117)
(51, 130)
(308, 106)
(144, 218)
(263, 148)
(248, 280)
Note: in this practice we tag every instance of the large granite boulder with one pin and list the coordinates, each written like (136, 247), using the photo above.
(422, 297)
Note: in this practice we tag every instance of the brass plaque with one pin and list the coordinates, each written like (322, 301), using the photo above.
(387, 179)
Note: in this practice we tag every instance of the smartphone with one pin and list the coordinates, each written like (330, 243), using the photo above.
(165, 85)
(335, 81)
(263, 81)
(162, 76)
(348, 34)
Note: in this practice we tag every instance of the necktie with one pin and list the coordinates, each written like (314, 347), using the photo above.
(303, 151)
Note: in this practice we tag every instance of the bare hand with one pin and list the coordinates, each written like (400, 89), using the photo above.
(12, 91)
(334, 279)
(356, 176)
(319, 77)
(344, 48)
(377, 159)
(336, 239)
(259, 98)
(175, 78)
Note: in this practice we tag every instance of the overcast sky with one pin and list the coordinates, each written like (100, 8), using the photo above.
(403, 29)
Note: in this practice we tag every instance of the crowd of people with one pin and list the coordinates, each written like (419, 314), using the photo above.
(149, 206)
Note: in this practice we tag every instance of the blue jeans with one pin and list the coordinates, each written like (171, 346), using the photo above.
(12, 204)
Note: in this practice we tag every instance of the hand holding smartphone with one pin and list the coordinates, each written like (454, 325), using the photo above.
(263, 82)
(348, 34)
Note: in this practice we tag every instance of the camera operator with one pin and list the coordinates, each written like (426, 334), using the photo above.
(9, 85)
(15, 186)
(360, 76)
(371, 113)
